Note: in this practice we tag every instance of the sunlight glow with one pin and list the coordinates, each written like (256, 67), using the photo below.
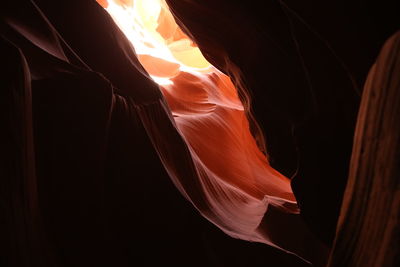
(162, 48)
(234, 183)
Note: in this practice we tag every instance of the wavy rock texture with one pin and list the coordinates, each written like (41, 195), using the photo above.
(304, 64)
(91, 144)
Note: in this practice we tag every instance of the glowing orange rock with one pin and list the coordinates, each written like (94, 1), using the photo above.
(227, 178)
(159, 67)
(103, 3)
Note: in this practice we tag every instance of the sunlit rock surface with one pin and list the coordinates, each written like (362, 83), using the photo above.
(92, 142)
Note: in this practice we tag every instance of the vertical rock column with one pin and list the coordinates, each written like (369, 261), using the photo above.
(368, 232)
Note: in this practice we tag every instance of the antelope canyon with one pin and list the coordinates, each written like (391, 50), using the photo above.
(198, 133)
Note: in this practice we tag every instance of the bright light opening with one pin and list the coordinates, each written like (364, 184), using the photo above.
(162, 48)
(239, 182)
